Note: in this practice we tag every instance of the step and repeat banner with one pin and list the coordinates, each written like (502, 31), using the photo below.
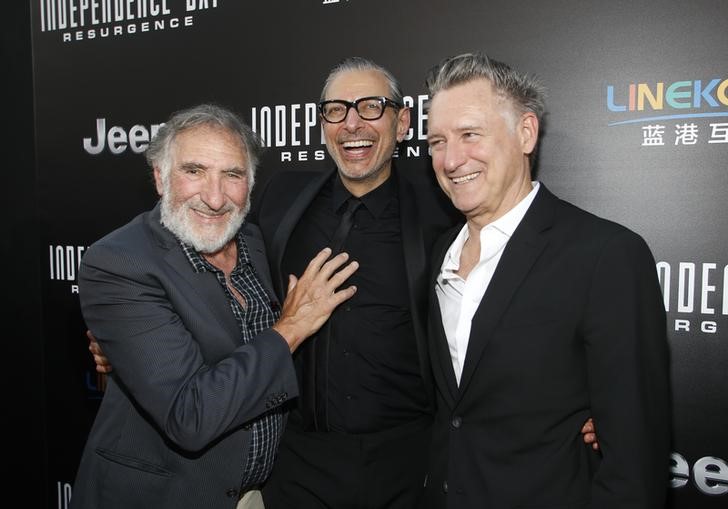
(636, 131)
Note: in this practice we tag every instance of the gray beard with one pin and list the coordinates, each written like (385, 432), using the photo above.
(177, 221)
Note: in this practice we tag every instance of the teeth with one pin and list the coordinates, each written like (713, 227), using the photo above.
(465, 178)
(358, 143)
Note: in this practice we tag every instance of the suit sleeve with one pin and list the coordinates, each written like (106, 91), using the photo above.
(160, 365)
(627, 356)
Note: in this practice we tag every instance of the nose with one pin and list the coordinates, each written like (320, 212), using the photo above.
(454, 157)
(352, 120)
(212, 193)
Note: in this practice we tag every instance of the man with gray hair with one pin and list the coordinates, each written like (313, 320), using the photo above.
(541, 314)
(180, 300)
(360, 434)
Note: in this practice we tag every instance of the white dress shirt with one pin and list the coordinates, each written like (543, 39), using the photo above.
(459, 298)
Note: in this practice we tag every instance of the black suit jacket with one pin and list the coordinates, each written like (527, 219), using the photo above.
(425, 214)
(571, 325)
(172, 428)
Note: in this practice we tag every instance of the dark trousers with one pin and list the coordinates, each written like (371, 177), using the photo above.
(315, 470)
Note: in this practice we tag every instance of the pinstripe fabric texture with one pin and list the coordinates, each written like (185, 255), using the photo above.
(256, 316)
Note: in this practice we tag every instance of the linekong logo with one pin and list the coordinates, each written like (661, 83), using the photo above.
(664, 101)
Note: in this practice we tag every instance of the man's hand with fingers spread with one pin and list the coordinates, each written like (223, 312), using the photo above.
(313, 297)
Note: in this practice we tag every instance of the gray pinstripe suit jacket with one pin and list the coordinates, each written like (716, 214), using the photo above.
(171, 430)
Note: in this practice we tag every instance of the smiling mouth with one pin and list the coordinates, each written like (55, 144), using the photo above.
(357, 144)
(465, 178)
(210, 215)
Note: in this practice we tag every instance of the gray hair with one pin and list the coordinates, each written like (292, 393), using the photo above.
(526, 92)
(158, 152)
(363, 64)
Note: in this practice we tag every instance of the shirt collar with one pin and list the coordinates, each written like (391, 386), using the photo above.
(508, 223)
(505, 225)
(200, 264)
(375, 201)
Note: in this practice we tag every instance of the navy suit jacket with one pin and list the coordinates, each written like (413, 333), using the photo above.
(172, 429)
(572, 325)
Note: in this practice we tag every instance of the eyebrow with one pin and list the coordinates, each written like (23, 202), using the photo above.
(470, 127)
(192, 165)
(460, 129)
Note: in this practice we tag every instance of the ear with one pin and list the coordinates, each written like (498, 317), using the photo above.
(403, 123)
(528, 131)
(158, 180)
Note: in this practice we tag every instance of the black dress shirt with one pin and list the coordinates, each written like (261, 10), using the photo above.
(375, 381)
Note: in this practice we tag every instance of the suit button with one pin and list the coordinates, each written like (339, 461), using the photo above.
(444, 486)
(456, 422)
(232, 493)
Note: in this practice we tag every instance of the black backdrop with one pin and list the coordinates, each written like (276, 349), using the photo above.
(637, 131)
(24, 452)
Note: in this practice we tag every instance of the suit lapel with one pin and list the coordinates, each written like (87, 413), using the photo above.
(285, 228)
(521, 252)
(415, 261)
(442, 364)
(256, 250)
(205, 284)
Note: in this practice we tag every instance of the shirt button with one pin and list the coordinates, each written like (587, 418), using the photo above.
(456, 422)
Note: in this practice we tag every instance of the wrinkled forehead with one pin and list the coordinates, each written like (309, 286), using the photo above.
(209, 141)
(353, 84)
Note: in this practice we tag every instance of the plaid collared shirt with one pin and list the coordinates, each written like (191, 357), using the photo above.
(256, 316)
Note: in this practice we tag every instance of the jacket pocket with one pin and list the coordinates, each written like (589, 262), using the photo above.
(135, 463)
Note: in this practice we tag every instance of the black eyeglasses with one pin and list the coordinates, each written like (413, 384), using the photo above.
(368, 108)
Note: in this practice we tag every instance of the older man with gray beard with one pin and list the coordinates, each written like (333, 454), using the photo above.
(180, 300)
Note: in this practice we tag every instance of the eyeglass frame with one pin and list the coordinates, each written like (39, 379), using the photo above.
(384, 101)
